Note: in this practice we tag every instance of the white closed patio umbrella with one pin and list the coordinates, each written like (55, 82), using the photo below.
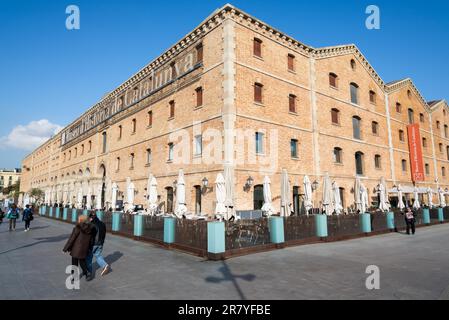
(307, 194)
(441, 197)
(108, 194)
(401, 204)
(416, 204)
(363, 198)
(181, 208)
(384, 205)
(114, 189)
(89, 198)
(267, 207)
(220, 192)
(229, 185)
(79, 198)
(328, 196)
(99, 196)
(285, 195)
(130, 192)
(338, 207)
(357, 195)
(152, 196)
(430, 197)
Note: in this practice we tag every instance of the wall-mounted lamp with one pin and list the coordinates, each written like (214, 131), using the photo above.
(205, 182)
(249, 182)
(315, 185)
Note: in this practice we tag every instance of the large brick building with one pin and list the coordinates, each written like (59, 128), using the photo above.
(239, 94)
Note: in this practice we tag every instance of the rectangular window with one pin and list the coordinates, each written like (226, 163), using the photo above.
(170, 151)
(259, 142)
(172, 109)
(421, 117)
(294, 148)
(258, 92)
(427, 169)
(257, 50)
(354, 93)
(198, 145)
(149, 156)
(118, 164)
(120, 131)
(134, 129)
(199, 53)
(377, 162)
(404, 165)
(375, 128)
(291, 62)
(356, 128)
(105, 138)
(131, 161)
(334, 113)
(372, 97)
(199, 97)
(150, 118)
(292, 103)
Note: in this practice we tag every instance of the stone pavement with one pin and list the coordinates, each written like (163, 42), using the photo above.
(32, 266)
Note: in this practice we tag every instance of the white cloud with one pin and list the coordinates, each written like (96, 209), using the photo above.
(30, 136)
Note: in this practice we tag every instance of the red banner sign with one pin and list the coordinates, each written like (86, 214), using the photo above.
(414, 144)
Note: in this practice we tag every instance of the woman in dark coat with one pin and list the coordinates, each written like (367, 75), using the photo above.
(80, 243)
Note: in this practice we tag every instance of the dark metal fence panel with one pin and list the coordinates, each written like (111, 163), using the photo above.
(191, 234)
(379, 221)
(433, 215)
(247, 233)
(343, 225)
(127, 224)
(299, 227)
(107, 220)
(419, 217)
(446, 213)
(153, 228)
(399, 220)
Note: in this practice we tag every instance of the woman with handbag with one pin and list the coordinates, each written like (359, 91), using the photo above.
(27, 217)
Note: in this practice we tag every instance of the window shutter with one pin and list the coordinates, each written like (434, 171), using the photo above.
(291, 62)
(257, 48)
(258, 93)
(199, 97)
(199, 53)
(292, 103)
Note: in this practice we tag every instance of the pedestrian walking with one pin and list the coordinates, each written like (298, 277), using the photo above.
(80, 243)
(27, 216)
(97, 249)
(2, 215)
(410, 220)
(13, 215)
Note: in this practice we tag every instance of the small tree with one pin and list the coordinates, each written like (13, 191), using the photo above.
(37, 194)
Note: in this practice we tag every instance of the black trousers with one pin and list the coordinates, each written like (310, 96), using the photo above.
(82, 263)
(27, 224)
(410, 225)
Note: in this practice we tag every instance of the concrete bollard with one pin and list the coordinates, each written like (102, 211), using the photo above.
(390, 220)
(321, 225)
(426, 216)
(64, 214)
(74, 216)
(440, 215)
(169, 230)
(365, 222)
(138, 226)
(116, 221)
(100, 215)
(216, 237)
(51, 212)
(276, 227)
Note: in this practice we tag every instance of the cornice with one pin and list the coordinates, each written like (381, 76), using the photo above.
(404, 83)
(438, 105)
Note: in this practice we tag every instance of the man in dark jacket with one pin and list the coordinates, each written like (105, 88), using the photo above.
(98, 245)
(80, 244)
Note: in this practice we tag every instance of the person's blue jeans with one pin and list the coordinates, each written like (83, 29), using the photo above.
(96, 252)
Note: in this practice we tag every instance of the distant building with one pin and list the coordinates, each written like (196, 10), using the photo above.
(8, 178)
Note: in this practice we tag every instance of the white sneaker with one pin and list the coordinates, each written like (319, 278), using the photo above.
(25, 230)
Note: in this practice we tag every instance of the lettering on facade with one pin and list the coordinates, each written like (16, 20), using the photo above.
(416, 159)
(113, 105)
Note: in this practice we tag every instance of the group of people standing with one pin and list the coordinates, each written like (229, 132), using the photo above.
(13, 213)
(85, 243)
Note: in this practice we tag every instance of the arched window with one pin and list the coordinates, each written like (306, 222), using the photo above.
(257, 47)
(411, 116)
(404, 165)
(424, 142)
(372, 96)
(105, 140)
(398, 107)
(445, 131)
(353, 64)
(117, 164)
(443, 171)
(333, 80)
(377, 161)
(354, 88)
(427, 167)
(359, 163)
(198, 195)
(421, 117)
(292, 103)
(401, 136)
(134, 126)
(409, 94)
(335, 116)
(440, 147)
(169, 199)
(131, 161)
(375, 128)
(447, 152)
(258, 197)
(356, 121)
(149, 157)
(438, 124)
(338, 155)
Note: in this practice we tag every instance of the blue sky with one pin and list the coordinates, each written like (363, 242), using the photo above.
(49, 73)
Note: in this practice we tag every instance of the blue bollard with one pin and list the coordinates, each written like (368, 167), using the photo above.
(138, 226)
(74, 216)
(116, 218)
(85, 212)
(169, 230)
(100, 214)
(390, 220)
(321, 225)
(440, 215)
(58, 213)
(216, 237)
(51, 212)
(426, 216)
(64, 214)
(365, 223)
(276, 227)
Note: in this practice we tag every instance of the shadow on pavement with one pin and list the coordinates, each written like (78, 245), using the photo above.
(40, 241)
(22, 229)
(229, 276)
(110, 259)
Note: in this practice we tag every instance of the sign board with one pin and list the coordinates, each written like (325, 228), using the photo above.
(416, 159)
